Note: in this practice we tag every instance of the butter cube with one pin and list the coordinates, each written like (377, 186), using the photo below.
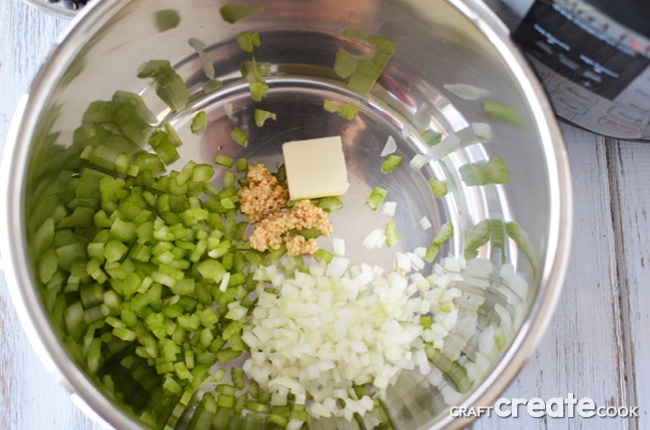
(315, 168)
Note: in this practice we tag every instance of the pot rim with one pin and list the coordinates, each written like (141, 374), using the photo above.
(51, 351)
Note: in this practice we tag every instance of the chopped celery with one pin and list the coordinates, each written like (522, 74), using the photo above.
(199, 123)
(232, 13)
(368, 69)
(242, 165)
(330, 106)
(345, 63)
(390, 163)
(390, 231)
(521, 238)
(329, 204)
(166, 19)
(238, 135)
(451, 369)
(161, 143)
(260, 118)
(212, 85)
(224, 160)
(443, 234)
(348, 111)
(476, 237)
(248, 41)
(438, 188)
(376, 197)
(493, 171)
(502, 113)
(323, 255)
(431, 137)
(206, 62)
(170, 87)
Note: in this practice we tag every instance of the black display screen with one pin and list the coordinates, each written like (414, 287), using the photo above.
(557, 39)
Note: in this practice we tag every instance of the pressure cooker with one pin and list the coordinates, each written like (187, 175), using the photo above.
(593, 58)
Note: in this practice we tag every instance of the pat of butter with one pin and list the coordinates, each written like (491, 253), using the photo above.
(315, 168)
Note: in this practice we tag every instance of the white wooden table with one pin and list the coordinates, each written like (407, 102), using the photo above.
(597, 345)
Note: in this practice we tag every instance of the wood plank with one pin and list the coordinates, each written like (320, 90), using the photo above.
(30, 397)
(578, 353)
(630, 190)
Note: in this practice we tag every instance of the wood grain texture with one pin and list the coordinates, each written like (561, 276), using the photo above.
(630, 190)
(597, 343)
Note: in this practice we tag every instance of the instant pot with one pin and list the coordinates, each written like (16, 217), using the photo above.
(593, 58)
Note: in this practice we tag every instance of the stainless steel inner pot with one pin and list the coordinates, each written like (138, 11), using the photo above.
(437, 43)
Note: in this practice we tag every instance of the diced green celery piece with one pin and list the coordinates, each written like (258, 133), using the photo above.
(437, 187)
(101, 111)
(202, 173)
(390, 163)
(133, 99)
(443, 234)
(247, 41)
(184, 287)
(355, 33)
(67, 254)
(344, 63)
(224, 160)
(199, 123)
(211, 270)
(364, 76)
(329, 204)
(242, 165)
(132, 125)
(392, 237)
(502, 113)
(47, 266)
(258, 90)
(227, 354)
(477, 236)
(323, 255)
(261, 116)
(232, 328)
(493, 171)
(426, 322)
(149, 162)
(212, 85)
(172, 135)
(330, 106)
(451, 369)
(278, 420)
(164, 147)
(521, 238)
(499, 173)
(123, 230)
(166, 19)
(431, 137)
(170, 87)
(233, 13)
(80, 217)
(376, 197)
(44, 236)
(348, 111)
(238, 135)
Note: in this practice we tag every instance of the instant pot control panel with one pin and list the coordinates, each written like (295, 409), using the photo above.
(594, 61)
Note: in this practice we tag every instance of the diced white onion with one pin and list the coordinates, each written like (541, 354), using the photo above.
(389, 208)
(418, 161)
(338, 247)
(390, 146)
(425, 224)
